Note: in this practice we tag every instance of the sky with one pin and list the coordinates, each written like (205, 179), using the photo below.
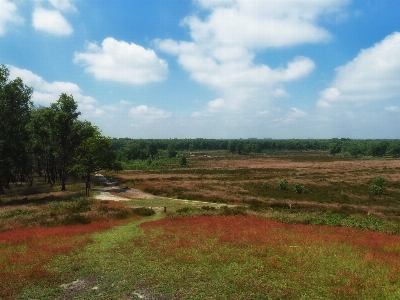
(227, 69)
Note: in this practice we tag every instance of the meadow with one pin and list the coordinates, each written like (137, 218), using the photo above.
(285, 226)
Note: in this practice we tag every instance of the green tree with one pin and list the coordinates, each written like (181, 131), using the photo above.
(335, 148)
(15, 109)
(151, 149)
(44, 148)
(63, 115)
(94, 152)
(172, 150)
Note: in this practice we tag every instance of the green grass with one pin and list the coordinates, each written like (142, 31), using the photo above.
(229, 258)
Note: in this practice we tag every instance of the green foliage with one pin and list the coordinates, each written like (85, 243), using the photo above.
(183, 161)
(143, 211)
(282, 185)
(75, 219)
(15, 212)
(232, 211)
(300, 189)
(15, 108)
(335, 148)
(376, 186)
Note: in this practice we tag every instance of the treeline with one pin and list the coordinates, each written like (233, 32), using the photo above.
(49, 141)
(132, 149)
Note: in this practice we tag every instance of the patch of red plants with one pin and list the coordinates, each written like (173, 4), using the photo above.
(176, 236)
(24, 252)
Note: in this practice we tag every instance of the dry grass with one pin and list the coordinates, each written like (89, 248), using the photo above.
(333, 184)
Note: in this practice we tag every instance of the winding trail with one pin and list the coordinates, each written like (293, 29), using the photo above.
(128, 194)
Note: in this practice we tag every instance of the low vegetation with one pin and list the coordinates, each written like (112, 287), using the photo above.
(284, 226)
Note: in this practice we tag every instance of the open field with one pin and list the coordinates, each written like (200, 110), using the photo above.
(57, 245)
(335, 185)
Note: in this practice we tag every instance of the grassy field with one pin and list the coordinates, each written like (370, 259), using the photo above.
(331, 236)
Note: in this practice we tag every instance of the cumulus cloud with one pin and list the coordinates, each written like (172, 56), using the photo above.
(123, 62)
(45, 93)
(8, 14)
(374, 75)
(143, 114)
(50, 21)
(225, 42)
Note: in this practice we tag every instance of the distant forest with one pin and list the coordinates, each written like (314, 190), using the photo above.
(131, 149)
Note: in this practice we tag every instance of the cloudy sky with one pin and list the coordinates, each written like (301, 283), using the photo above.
(213, 68)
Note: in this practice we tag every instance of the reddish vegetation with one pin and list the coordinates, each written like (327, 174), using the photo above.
(237, 230)
(353, 255)
(24, 252)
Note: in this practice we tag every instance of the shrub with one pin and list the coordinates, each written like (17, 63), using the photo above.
(377, 185)
(184, 210)
(183, 161)
(75, 219)
(208, 207)
(143, 211)
(376, 189)
(265, 185)
(232, 211)
(299, 189)
(282, 185)
(256, 205)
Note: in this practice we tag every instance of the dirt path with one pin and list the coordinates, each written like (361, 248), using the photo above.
(126, 194)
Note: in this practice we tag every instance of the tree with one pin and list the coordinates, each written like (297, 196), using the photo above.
(63, 115)
(94, 152)
(335, 148)
(151, 149)
(172, 150)
(15, 109)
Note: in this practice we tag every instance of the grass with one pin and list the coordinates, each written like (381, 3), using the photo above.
(320, 237)
(230, 257)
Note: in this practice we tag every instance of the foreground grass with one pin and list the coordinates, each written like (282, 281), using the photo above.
(227, 257)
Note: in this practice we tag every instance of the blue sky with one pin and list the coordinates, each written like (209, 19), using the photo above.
(213, 68)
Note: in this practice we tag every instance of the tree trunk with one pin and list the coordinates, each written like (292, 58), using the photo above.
(63, 180)
(1, 188)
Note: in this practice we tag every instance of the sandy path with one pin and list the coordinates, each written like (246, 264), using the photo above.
(128, 193)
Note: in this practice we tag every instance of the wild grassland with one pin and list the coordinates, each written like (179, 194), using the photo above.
(332, 185)
(229, 257)
(197, 251)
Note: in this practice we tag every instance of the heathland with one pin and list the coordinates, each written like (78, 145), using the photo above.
(218, 225)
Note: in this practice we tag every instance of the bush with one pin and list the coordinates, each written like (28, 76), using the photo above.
(377, 185)
(299, 189)
(183, 161)
(232, 211)
(282, 185)
(184, 210)
(208, 207)
(143, 211)
(75, 219)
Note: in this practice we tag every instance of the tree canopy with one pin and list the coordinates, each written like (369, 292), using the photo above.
(49, 141)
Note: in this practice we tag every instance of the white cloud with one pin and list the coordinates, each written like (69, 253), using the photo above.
(225, 42)
(292, 116)
(63, 5)
(123, 62)
(260, 24)
(392, 108)
(45, 93)
(8, 14)
(143, 114)
(374, 75)
(50, 21)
